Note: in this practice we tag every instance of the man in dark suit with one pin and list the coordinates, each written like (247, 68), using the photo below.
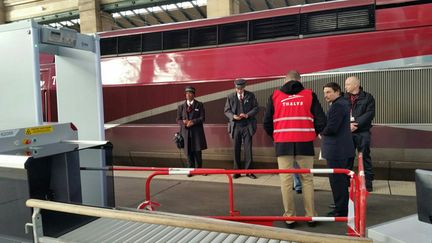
(190, 117)
(241, 108)
(337, 146)
(362, 106)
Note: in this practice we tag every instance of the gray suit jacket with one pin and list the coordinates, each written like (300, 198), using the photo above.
(250, 107)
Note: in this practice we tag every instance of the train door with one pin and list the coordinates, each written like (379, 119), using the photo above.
(48, 93)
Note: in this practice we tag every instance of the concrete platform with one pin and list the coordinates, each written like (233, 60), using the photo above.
(208, 196)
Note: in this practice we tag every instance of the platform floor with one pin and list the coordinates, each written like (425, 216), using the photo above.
(208, 196)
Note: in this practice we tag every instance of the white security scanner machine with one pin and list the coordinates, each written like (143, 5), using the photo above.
(44, 163)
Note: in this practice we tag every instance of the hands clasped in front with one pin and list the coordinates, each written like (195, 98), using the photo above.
(188, 123)
(241, 116)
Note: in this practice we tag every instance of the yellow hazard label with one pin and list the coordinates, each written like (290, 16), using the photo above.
(39, 130)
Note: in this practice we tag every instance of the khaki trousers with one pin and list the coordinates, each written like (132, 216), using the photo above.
(304, 162)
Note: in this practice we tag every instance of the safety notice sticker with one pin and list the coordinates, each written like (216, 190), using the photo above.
(39, 130)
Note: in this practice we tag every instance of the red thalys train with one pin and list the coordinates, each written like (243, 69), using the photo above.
(384, 42)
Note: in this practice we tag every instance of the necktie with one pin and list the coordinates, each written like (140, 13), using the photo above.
(189, 109)
(241, 98)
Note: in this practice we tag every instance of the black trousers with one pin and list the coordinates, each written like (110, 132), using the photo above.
(339, 184)
(242, 134)
(194, 159)
(362, 142)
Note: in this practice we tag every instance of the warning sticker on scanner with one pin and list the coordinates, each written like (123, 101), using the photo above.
(39, 130)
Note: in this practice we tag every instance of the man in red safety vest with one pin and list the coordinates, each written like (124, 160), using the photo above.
(293, 118)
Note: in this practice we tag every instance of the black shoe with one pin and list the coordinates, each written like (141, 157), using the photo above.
(252, 176)
(311, 223)
(235, 176)
(369, 186)
(332, 205)
(299, 191)
(334, 214)
(189, 175)
(291, 225)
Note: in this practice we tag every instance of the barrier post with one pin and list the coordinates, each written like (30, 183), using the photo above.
(363, 195)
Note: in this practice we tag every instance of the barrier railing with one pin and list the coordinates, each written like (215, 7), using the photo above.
(176, 220)
(356, 206)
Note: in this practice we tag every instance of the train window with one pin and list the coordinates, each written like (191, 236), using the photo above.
(322, 23)
(206, 36)
(108, 46)
(283, 26)
(176, 39)
(354, 19)
(152, 42)
(233, 33)
(338, 20)
(129, 44)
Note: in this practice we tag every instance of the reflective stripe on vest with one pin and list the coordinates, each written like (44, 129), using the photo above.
(292, 119)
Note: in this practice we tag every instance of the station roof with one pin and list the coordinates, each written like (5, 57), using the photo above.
(136, 13)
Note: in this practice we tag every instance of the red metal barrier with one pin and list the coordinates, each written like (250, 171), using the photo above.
(356, 208)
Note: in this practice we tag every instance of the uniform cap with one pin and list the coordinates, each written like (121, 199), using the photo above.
(190, 89)
(240, 83)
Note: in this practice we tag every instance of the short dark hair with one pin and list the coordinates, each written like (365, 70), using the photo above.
(334, 86)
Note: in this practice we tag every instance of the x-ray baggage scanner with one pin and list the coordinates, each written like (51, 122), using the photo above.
(40, 160)
(43, 162)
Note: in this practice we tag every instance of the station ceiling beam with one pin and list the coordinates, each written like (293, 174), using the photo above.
(154, 16)
(198, 9)
(122, 5)
(249, 5)
(173, 19)
(139, 16)
(128, 19)
(269, 5)
(23, 9)
(185, 14)
(58, 17)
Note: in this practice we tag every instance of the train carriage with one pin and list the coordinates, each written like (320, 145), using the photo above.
(384, 42)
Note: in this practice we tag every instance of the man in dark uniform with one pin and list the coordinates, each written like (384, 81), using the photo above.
(337, 146)
(293, 118)
(362, 107)
(190, 117)
(241, 108)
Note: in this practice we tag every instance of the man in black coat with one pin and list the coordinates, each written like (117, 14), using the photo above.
(190, 117)
(337, 146)
(362, 106)
(293, 118)
(240, 109)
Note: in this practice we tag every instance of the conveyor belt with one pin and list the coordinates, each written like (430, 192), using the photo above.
(120, 231)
